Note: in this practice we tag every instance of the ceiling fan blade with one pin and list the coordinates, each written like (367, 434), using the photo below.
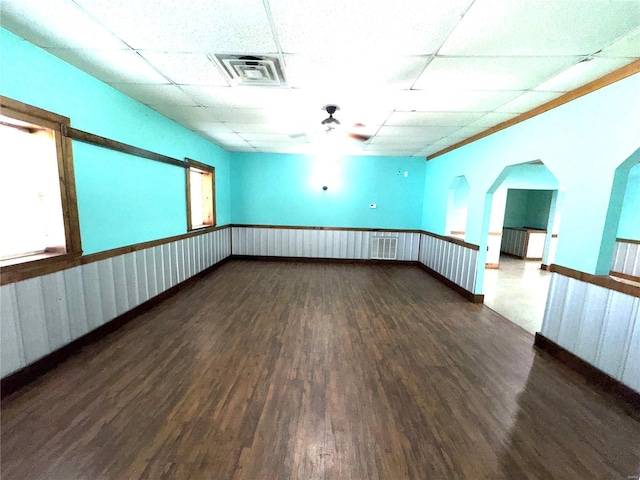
(359, 136)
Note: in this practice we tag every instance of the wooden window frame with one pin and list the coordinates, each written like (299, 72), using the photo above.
(209, 169)
(58, 125)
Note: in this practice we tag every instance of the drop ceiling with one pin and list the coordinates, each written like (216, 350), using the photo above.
(421, 75)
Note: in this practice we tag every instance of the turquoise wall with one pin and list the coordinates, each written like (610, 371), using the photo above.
(581, 142)
(272, 189)
(527, 208)
(629, 226)
(122, 199)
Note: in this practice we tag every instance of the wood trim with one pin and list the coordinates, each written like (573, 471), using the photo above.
(15, 106)
(472, 297)
(298, 227)
(628, 240)
(57, 124)
(590, 87)
(495, 234)
(511, 255)
(457, 241)
(600, 280)
(32, 372)
(441, 237)
(456, 232)
(368, 261)
(544, 267)
(68, 194)
(36, 268)
(187, 176)
(210, 170)
(595, 376)
(213, 196)
(199, 165)
(492, 266)
(104, 142)
(626, 276)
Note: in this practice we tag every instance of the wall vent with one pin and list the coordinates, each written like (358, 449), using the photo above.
(384, 248)
(259, 70)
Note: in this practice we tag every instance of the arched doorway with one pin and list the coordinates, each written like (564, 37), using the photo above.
(521, 217)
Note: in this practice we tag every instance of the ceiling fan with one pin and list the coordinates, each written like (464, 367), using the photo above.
(331, 123)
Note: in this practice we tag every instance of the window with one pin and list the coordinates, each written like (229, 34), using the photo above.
(201, 211)
(38, 212)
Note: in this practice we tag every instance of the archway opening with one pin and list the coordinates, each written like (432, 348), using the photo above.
(522, 210)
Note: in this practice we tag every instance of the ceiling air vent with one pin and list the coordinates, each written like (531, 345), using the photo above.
(262, 70)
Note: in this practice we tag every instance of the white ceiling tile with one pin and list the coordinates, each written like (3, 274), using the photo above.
(541, 27)
(329, 26)
(240, 148)
(429, 150)
(191, 117)
(434, 119)
(155, 94)
(186, 68)
(223, 26)
(582, 73)
(627, 46)
(491, 119)
(269, 138)
(425, 133)
(454, 100)
(409, 142)
(301, 148)
(506, 73)
(527, 101)
(239, 97)
(394, 152)
(353, 101)
(244, 115)
(111, 66)
(357, 71)
(226, 138)
(59, 24)
(274, 146)
(210, 127)
(266, 128)
(466, 132)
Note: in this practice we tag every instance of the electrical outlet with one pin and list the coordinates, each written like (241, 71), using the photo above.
(373, 205)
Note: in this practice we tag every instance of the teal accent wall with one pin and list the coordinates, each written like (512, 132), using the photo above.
(629, 226)
(527, 208)
(122, 199)
(273, 189)
(581, 142)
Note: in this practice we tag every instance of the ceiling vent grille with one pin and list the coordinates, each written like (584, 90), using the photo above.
(260, 70)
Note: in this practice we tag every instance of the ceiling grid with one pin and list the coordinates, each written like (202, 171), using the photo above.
(418, 76)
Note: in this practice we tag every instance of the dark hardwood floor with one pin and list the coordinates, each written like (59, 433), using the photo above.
(267, 370)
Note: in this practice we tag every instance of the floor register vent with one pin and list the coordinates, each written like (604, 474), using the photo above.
(384, 248)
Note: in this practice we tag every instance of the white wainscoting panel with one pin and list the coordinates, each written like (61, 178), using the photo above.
(451, 260)
(514, 241)
(626, 258)
(599, 325)
(42, 314)
(316, 243)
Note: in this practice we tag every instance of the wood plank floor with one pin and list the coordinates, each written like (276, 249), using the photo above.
(268, 370)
